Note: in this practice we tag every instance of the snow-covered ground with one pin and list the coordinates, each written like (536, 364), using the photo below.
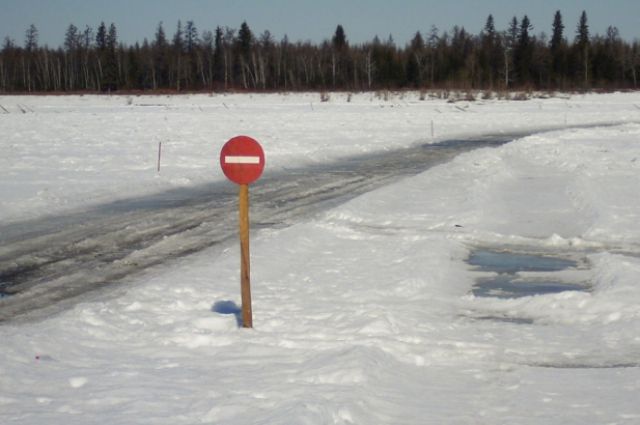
(363, 314)
(61, 152)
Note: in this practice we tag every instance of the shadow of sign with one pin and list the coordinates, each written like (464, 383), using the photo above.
(228, 307)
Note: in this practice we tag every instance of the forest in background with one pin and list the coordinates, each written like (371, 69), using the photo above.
(237, 59)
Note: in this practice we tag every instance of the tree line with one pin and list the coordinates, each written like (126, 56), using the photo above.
(229, 59)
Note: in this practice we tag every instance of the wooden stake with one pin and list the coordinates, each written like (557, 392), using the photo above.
(245, 280)
(159, 154)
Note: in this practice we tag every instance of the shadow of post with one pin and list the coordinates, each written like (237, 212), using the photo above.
(228, 307)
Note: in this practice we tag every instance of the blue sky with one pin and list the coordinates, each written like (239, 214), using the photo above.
(308, 19)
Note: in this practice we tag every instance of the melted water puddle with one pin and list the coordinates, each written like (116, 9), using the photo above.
(519, 275)
(510, 275)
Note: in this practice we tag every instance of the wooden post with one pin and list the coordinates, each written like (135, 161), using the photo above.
(159, 154)
(245, 280)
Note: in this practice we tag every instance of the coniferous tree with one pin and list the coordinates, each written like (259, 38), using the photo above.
(31, 38)
(101, 37)
(338, 52)
(523, 54)
(582, 45)
(191, 44)
(178, 38)
(491, 55)
(177, 50)
(557, 37)
(511, 39)
(190, 36)
(229, 57)
(339, 39)
(558, 50)
(71, 38)
(71, 47)
(86, 47)
(415, 61)
(160, 59)
(29, 63)
(101, 47)
(283, 74)
(111, 66)
(244, 46)
(432, 57)
(87, 37)
(219, 67)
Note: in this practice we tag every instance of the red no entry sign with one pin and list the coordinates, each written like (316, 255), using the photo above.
(242, 160)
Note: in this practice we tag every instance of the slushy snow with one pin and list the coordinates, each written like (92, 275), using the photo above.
(363, 314)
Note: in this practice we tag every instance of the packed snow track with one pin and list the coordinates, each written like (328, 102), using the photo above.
(46, 264)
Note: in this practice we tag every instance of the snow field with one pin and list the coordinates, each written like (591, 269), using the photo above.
(67, 152)
(363, 314)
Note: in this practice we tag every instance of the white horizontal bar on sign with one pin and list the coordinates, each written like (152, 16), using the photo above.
(241, 159)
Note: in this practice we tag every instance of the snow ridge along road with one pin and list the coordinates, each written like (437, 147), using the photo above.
(46, 264)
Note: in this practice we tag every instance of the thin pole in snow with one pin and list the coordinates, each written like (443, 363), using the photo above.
(245, 280)
(159, 154)
(432, 131)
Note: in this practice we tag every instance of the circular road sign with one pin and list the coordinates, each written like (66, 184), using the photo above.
(242, 160)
